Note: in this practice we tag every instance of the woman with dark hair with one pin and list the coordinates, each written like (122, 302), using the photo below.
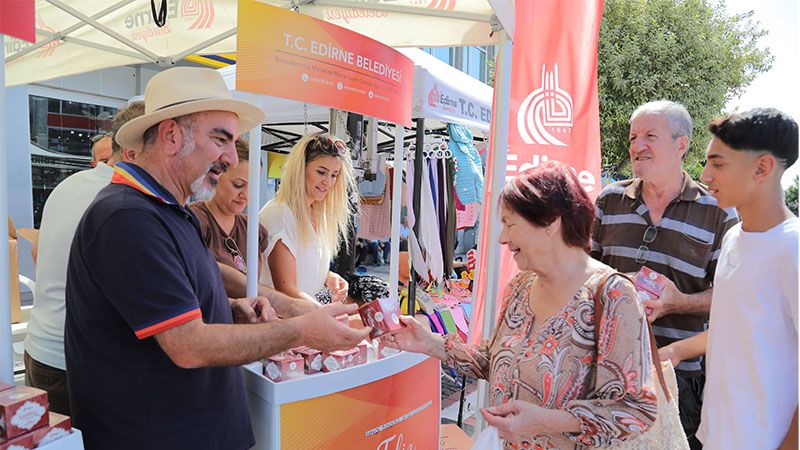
(549, 386)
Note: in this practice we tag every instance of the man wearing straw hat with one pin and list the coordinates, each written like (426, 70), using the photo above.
(151, 348)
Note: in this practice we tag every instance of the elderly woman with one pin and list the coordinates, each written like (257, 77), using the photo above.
(548, 387)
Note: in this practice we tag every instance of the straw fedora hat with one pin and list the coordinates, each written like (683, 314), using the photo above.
(185, 90)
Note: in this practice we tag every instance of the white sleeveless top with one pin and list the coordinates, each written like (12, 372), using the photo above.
(312, 261)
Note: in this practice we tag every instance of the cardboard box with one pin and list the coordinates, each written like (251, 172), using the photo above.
(312, 359)
(649, 285)
(60, 426)
(22, 409)
(340, 359)
(284, 367)
(361, 357)
(384, 350)
(24, 442)
(383, 315)
(13, 272)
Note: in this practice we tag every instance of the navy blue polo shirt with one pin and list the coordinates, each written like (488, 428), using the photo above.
(138, 267)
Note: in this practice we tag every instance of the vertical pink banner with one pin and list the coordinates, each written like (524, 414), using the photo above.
(554, 110)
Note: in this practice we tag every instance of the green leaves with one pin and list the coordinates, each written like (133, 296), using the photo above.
(690, 51)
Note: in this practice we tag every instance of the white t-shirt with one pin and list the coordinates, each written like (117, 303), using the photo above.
(312, 261)
(751, 370)
(62, 212)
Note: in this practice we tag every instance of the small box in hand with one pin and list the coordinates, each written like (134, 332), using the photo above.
(382, 315)
(649, 285)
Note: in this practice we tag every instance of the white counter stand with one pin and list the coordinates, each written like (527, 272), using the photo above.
(391, 403)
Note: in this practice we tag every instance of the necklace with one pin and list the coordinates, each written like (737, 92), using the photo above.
(236, 254)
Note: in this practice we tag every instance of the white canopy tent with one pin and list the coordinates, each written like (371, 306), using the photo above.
(472, 97)
(88, 35)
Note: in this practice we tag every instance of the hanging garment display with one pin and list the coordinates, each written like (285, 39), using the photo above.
(375, 220)
(469, 179)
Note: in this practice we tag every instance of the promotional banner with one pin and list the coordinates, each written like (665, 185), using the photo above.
(400, 412)
(17, 19)
(285, 54)
(554, 110)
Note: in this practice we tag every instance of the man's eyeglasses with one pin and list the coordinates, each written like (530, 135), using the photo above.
(648, 238)
(99, 136)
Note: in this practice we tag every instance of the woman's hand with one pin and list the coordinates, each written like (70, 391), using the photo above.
(338, 287)
(416, 338)
(518, 420)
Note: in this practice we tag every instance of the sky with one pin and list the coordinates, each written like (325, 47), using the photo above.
(779, 87)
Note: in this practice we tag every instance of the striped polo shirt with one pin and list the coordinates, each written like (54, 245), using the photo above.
(685, 249)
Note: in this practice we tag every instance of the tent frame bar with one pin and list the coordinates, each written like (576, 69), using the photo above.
(60, 35)
(102, 28)
(473, 17)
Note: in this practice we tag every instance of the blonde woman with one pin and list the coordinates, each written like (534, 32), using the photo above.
(308, 219)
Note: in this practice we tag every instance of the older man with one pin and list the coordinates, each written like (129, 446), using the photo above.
(101, 148)
(665, 221)
(45, 367)
(152, 351)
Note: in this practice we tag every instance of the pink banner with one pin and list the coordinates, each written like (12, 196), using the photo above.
(554, 111)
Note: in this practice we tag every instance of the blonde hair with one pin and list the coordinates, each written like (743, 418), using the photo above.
(331, 215)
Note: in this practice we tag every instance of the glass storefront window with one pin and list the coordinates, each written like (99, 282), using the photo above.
(61, 133)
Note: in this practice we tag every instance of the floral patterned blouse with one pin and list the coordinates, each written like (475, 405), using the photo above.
(557, 367)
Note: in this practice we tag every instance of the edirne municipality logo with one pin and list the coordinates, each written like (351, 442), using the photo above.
(546, 110)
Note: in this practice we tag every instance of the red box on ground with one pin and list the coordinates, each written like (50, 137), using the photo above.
(60, 426)
(24, 442)
(312, 359)
(382, 315)
(22, 409)
(284, 367)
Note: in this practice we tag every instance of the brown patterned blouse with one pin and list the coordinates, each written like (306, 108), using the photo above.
(556, 367)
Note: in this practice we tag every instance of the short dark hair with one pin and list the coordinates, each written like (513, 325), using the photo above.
(122, 117)
(759, 130)
(549, 191)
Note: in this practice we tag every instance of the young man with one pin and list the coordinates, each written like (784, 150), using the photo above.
(751, 346)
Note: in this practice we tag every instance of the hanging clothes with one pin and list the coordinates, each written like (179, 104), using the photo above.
(427, 242)
(375, 220)
(469, 216)
(469, 179)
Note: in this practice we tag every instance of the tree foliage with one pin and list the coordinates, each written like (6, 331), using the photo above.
(689, 51)
(790, 196)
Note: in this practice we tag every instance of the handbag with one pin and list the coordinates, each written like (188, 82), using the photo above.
(666, 432)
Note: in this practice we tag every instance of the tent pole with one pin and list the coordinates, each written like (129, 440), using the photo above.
(7, 351)
(491, 261)
(397, 186)
(252, 207)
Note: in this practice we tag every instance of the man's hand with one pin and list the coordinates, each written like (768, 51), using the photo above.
(666, 304)
(338, 287)
(320, 330)
(251, 310)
